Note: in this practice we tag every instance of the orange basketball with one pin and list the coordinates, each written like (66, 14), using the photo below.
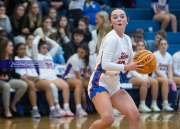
(148, 60)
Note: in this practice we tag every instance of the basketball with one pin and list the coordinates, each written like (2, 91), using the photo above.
(148, 60)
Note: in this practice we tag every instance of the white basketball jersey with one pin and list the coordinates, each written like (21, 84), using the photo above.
(163, 61)
(119, 50)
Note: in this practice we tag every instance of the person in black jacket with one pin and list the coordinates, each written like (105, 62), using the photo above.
(16, 23)
(71, 47)
(7, 79)
(61, 6)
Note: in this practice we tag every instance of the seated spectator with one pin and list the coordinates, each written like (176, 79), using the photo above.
(61, 6)
(29, 39)
(63, 32)
(163, 72)
(90, 9)
(52, 13)
(46, 28)
(138, 36)
(39, 52)
(103, 27)
(152, 45)
(16, 22)
(4, 20)
(176, 67)
(144, 82)
(7, 82)
(83, 24)
(58, 58)
(71, 47)
(75, 7)
(33, 19)
(30, 76)
(77, 66)
(161, 13)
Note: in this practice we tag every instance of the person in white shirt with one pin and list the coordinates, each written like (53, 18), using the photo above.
(77, 65)
(176, 67)
(46, 28)
(30, 76)
(115, 55)
(144, 82)
(40, 52)
(163, 72)
(29, 39)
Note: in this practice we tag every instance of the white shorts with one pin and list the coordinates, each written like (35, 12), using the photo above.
(100, 82)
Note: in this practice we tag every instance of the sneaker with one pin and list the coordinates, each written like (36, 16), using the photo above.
(69, 113)
(54, 114)
(116, 112)
(62, 112)
(35, 114)
(167, 108)
(80, 112)
(155, 108)
(144, 108)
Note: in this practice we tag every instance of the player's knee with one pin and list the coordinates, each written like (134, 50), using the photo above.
(136, 117)
(173, 17)
(167, 18)
(108, 119)
(144, 83)
(79, 84)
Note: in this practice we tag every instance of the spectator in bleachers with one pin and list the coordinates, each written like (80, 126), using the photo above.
(6, 80)
(40, 52)
(138, 36)
(4, 20)
(83, 25)
(63, 32)
(30, 76)
(16, 23)
(163, 72)
(77, 66)
(90, 9)
(102, 27)
(46, 28)
(152, 45)
(58, 58)
(52, 13)
(176, 68)
(29, 39)
(61, 6)
(162, 14)
(71, 47)
(144, 82)
(75, 8)
(33, 19)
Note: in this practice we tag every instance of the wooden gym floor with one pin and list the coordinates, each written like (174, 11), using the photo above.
(148, 121)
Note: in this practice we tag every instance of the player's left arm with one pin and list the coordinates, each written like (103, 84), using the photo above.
(170, 73)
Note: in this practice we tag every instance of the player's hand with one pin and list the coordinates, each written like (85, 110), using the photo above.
(134, 66)
(24, 77)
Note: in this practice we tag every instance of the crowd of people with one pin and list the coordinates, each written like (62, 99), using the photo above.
(38, 30)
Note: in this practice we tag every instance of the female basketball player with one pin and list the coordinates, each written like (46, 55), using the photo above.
(163, 72)
(76, 66)
(104, 86)
(176, 67)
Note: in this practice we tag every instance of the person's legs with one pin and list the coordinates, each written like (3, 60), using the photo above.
(143, 88)
(45, 7)
(173, 22)
(104, 108)
(20, 87)
(76, 15)
(163, 83)
(177, 80)
(5, 88)
(125, 104)
(45, 86)
(77, 85)
(154, 92)
(165, 19)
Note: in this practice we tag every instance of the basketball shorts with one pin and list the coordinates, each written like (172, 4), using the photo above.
(100, 82)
